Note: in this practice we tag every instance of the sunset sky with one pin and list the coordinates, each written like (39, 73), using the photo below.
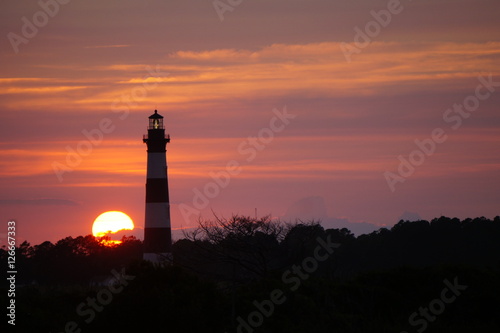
(220, 76)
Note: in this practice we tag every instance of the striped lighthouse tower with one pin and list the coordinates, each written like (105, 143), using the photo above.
(157, 233)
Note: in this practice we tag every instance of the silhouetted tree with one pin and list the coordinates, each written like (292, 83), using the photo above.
(240, 245)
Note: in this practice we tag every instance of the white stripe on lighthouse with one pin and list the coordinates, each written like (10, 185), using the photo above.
(157, 215)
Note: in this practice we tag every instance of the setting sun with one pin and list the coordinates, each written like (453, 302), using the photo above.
(111, 222)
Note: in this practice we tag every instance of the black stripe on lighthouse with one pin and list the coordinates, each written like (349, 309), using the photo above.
(157, 241)
(157, 230)
(157, 190)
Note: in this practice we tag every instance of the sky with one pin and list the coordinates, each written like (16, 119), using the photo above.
(355, 112)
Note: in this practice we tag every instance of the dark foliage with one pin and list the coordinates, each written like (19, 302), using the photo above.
(272, 276)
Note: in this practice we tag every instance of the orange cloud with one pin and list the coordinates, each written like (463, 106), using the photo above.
(312, 70)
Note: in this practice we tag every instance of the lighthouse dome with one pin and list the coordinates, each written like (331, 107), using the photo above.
(156, 115)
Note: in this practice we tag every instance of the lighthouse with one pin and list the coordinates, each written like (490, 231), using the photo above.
(157, 232)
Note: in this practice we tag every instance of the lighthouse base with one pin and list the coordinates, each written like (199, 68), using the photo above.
(159, 258)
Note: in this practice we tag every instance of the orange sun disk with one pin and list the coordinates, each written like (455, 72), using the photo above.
(109, 223)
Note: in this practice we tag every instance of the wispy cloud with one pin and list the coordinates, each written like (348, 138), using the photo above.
(312, 70)
(39, 202)
(105, 46)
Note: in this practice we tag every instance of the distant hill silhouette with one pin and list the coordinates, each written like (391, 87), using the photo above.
(314, 208)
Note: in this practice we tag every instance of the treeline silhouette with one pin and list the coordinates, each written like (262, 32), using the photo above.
(261, 275)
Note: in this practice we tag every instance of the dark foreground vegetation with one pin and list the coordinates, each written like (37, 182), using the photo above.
(247, 275)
